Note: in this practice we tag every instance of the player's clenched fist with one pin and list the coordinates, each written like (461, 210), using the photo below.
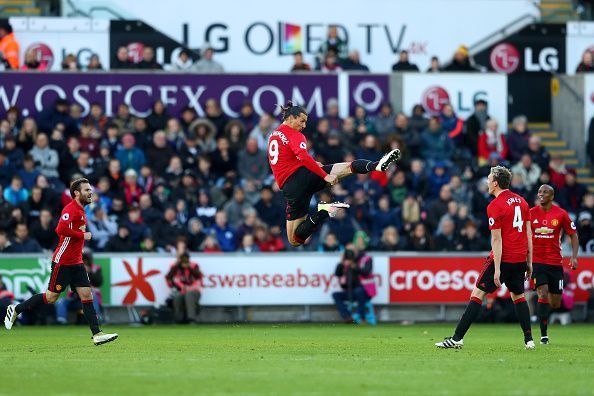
(331, 179)
(88, 236)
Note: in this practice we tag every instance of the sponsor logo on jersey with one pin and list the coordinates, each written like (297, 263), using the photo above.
(544, 230)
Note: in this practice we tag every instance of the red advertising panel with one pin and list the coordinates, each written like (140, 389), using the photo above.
(451, 279)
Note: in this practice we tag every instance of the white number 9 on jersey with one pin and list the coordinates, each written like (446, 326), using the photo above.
(518, 223)
(273, 151)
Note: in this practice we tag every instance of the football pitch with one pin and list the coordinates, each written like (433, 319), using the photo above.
(300, 359)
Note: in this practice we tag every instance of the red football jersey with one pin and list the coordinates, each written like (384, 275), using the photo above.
(510, 212)
(546, 233)
(71, 229)
(287, 152)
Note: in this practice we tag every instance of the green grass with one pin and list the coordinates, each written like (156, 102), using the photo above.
(294, 359)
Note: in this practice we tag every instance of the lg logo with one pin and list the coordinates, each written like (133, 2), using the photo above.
(434, 98)
(505, 58)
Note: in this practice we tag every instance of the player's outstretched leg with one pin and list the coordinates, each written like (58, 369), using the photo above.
(523, 315)
(473, 309)
(363, 166)
(14, 310)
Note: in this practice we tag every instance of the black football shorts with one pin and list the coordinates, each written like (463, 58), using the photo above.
(299, 188)
(512, 275)
(547, 274)
(68, 275)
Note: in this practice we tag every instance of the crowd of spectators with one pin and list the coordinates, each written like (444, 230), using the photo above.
(206, 181)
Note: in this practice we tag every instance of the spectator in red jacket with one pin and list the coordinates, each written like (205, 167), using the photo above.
(266, 241)
(185, 280)
(491, 141)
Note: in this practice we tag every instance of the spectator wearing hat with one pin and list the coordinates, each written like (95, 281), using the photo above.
(475, 125)
(132, 190)
(404, 64)
(298, 63)
(207, 64)
(460, 62)
(9, 47)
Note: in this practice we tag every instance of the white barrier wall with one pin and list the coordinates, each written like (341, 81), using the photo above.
(278, 279)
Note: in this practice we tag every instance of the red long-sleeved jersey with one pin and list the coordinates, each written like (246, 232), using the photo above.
(71, 229)
(287, 152)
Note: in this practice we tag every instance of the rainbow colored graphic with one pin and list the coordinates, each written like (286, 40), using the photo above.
(290, 38)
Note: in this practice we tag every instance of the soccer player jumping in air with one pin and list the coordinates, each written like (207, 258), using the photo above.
(547, 222)
(300, 176)
(67, 263)
(510, 261)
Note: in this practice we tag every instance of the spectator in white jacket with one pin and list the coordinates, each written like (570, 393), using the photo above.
(529, 170)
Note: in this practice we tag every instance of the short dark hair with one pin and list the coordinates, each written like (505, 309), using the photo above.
(75, 186)
(502, 176)
(291, 110)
